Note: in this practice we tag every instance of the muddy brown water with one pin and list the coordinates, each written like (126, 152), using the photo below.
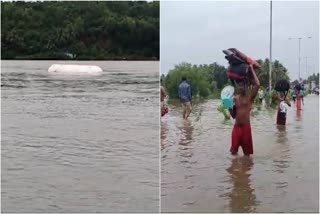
(199, 175)
(80, 143)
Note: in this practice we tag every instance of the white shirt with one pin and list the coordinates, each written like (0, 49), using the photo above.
(260, 94)
(283, 107)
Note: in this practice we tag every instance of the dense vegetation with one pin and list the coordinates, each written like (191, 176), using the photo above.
(87, 30)
(314, 77)
(208, 80)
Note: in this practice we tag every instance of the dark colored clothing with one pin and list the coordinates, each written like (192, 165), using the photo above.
(281, 117)
(233, 111)
(184, 92)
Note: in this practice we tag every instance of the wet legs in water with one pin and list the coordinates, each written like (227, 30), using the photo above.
(186, 110)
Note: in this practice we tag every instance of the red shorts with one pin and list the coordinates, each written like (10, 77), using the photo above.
(241, 136)
(298, 103)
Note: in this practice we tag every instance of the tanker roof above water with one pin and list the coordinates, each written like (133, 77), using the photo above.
(65, 68)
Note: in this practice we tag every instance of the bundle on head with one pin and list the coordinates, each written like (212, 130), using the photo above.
(298, 87)
(282, 86)
(239, 65)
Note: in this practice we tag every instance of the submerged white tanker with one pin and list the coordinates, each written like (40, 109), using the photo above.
(74, 69)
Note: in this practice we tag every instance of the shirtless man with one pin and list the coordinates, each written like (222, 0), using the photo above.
(241, 133)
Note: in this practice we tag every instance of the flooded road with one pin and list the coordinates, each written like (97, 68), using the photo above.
(199, 175)
(79, 143)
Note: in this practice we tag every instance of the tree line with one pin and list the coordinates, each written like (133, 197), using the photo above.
(80, 30)
(208, 80)
(314, 77)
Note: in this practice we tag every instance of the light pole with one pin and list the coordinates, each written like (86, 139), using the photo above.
(270, 52)
(299, 39)
(306, 58)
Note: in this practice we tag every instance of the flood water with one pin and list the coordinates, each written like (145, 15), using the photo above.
(199, 175)
(80, 143)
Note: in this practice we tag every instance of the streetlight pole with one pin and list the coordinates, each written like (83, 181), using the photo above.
(270, 52)
(299, 39)
(306, 58)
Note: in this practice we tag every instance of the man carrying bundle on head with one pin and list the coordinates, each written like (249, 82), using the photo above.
(242, 73)
(302, 93)
(294, 94)
(299, 97)
(282, 87)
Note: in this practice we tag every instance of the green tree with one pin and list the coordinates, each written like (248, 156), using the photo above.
(90, 30)
(208, 80)
(314, 77)
(278, 72)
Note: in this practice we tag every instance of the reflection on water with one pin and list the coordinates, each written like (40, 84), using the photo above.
(298, 115)
(282, 162)
(282, 134)
(186, 133)
(197, 175)
(186, 143)
(242, 198)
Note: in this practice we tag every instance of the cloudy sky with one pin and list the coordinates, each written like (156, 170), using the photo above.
(197, 32)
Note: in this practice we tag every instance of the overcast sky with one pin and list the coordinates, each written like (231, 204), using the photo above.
(197, 32)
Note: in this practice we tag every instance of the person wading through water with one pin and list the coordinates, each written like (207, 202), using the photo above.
(283, 105)
(241, 133)
(163, 94)
(185, 97)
